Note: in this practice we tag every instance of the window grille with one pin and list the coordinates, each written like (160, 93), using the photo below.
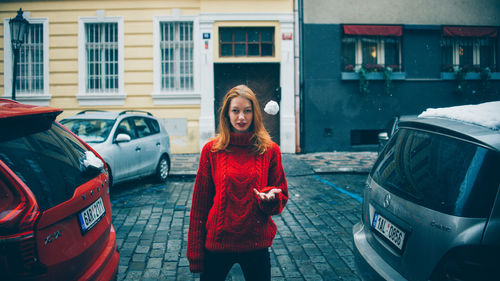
(176, 48)
(102, 57)
(472, 53)
(369, 50)
(30, 62)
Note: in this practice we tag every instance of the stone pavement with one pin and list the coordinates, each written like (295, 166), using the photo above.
(314, 238)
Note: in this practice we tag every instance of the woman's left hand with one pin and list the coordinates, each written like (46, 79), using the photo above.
(269, 196)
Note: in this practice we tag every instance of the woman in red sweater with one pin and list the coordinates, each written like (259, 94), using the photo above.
(240, 184)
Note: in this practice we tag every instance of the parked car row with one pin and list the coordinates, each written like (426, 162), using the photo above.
(431, 209)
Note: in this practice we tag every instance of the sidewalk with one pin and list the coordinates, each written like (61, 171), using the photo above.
(312, 163)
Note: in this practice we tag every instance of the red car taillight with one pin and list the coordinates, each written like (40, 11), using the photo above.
(18, 214)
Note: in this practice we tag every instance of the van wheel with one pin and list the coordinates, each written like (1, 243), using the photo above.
(163, 169)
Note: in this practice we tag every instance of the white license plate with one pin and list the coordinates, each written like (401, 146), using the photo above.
(91, 215)
(390, 231)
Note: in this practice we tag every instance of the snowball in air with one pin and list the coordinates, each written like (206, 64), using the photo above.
(272, 108)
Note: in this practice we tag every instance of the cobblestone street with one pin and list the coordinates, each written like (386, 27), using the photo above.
(314, 240)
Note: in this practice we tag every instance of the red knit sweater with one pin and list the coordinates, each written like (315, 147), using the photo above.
(226, 214)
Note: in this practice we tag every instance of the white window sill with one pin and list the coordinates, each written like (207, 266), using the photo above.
(32, 99)
(176, 98)
(101, 99)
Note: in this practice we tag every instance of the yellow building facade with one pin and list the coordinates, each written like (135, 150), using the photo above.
(166, 57)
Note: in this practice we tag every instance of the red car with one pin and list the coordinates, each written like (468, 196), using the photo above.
(55, 210)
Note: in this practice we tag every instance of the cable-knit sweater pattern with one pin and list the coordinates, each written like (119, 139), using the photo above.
(226, 214)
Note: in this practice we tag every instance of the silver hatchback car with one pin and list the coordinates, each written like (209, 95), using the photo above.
(431, 208)
(132, 143)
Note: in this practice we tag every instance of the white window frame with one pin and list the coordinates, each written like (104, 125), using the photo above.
(107, 98)
(36, 98)
(380, 50)
(179, 47)
(178, 97)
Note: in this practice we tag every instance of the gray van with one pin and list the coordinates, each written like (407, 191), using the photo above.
(431, 208)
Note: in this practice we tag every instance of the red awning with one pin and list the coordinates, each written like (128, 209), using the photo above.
(464, 31)
(379, 30)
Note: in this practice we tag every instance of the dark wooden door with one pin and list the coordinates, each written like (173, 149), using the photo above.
(262, 78)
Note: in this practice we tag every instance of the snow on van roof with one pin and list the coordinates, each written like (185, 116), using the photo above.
(484, 114)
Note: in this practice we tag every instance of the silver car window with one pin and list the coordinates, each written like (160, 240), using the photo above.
(141, 126)
(90, 130)
(125, 127)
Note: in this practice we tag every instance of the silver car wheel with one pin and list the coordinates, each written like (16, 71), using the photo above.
(163, 169)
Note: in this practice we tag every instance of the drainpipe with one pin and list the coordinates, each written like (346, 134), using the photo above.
(299, 77)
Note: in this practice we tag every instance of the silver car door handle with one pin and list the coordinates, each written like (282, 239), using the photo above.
(158, 144)
(137, 148)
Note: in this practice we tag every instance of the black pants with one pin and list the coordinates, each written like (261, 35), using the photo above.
(256, 265)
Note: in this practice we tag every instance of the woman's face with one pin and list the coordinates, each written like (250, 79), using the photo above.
(240, 114)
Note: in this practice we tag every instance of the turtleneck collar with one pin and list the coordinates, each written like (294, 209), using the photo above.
(241, 139)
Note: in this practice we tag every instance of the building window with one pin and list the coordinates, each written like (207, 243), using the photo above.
(246, 41)
(30, 68)
(101, 48)
(371, 52)
(176, 47)
(100, 60)
(176, 59)
(471, 53)
(32, 75)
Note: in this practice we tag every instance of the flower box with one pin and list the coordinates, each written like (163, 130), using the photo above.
(373, 76)
(468, 76)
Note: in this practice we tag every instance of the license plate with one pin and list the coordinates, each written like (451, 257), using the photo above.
(91, 215)
(390, 231)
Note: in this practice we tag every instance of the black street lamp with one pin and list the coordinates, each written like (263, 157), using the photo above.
(18, 27)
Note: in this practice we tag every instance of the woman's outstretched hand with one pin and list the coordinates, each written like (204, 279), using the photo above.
(268, 196)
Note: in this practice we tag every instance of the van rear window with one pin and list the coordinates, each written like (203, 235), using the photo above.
(441, 173)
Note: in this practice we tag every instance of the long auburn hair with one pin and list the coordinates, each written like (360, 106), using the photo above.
(260, 137)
